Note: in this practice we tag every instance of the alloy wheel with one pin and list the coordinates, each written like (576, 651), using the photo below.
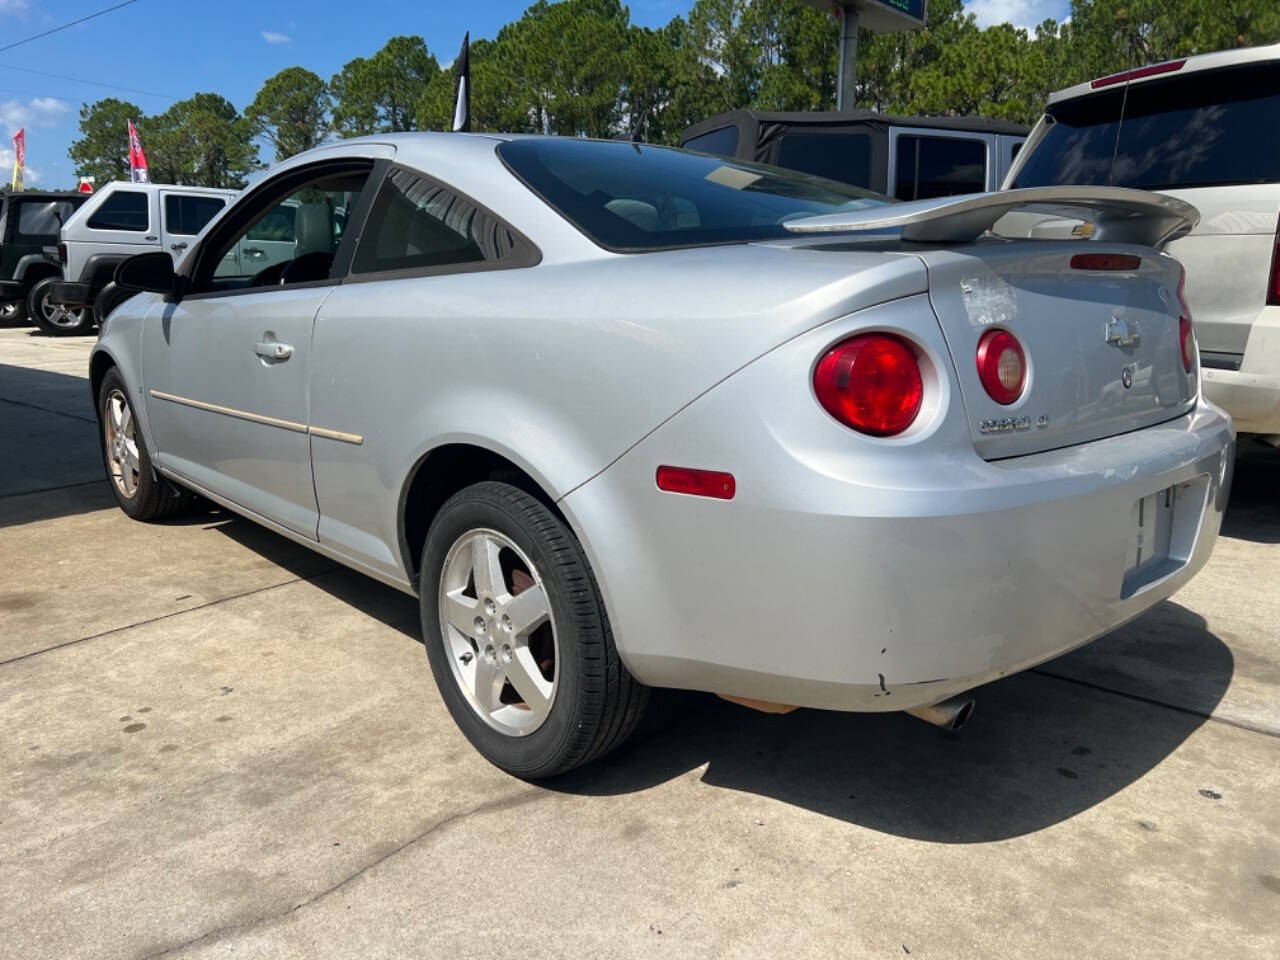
(122, 444)
(58, 315)
(499, 633)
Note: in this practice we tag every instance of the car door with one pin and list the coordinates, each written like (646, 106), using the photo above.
(226, 369)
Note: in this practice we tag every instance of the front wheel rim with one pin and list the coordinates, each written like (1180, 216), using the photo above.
(121, 438)
(499, 633)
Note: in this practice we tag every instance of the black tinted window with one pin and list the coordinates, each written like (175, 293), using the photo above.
(939, 167)
(635, 197)
(837, 156)
(43, 219)
(1197, 130)
(723, 141)
(123, 210)
(416, 224)
(187, 215)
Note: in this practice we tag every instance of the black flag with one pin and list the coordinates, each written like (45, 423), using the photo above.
(462, 112)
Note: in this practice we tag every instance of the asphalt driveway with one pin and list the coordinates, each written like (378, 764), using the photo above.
(217, 743)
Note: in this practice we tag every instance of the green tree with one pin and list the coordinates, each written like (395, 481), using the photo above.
(201, 141)
(102, 150)
(382, 92)
(291, 111)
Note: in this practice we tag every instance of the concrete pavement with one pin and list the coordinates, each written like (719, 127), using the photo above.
(218, 743)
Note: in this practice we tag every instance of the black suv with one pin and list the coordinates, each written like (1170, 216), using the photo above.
(30, 222)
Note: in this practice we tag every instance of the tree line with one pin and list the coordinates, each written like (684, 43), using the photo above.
(581, 68)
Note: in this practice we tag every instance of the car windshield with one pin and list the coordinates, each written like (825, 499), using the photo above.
(1195, 130)
(635, 197)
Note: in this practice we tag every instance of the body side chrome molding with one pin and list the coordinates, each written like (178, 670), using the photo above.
(291, 425)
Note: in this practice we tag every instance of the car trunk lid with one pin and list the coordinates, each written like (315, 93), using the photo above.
(1102, 347)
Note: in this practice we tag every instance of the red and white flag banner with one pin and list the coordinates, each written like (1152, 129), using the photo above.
(138, 172)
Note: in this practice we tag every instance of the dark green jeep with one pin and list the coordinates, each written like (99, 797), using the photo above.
(30, 222)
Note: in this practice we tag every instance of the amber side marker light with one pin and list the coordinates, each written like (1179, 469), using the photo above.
(697, 483)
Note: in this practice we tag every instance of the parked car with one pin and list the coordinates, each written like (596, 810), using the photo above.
(29, 225)
(626, 416)
(121, 219)
(1205, 129)
(908, 158)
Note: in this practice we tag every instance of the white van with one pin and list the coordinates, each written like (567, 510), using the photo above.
(1206, 130)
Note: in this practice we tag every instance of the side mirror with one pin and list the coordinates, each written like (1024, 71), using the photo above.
(148, 272)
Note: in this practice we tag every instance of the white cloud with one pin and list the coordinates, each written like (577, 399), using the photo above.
(30, 175)
(37, 112)
(275, 39)
(1021, 13)
(14, 6)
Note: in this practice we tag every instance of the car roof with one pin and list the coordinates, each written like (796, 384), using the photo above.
(1222, 59)
(828, 119)
(46, 195)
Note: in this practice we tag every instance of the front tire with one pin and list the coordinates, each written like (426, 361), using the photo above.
(518, 638)
(141, 492)
(55, 319)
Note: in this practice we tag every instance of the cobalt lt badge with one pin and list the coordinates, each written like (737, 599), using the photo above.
(1126, 377)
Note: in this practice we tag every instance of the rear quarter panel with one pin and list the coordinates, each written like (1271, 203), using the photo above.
(560, 368)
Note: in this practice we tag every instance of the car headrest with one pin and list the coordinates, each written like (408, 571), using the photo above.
(313, 228)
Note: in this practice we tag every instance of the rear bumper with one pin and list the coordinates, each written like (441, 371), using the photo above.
(1252, 394)
(69, 293)
(820, 586)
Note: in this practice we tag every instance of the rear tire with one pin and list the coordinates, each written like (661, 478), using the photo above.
(108, 298)
(141, 492)
(489, 624)
(53, 319)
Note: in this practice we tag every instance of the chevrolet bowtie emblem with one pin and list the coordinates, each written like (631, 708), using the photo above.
(1123, 333)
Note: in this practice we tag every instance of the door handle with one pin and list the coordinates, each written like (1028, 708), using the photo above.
(273, 350)
(178, 246)
(151, 239)
(254, 252)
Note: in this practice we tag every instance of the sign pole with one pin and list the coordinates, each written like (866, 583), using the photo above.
(847, 91)
(878, 16)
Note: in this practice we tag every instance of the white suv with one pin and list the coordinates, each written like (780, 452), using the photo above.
(118, 221)
(1205, 130)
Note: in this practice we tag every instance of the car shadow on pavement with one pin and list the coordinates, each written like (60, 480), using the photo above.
(1041, 748)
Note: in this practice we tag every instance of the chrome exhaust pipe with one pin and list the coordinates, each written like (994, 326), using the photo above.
(950, 714)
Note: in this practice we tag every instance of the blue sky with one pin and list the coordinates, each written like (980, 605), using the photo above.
(174, 48)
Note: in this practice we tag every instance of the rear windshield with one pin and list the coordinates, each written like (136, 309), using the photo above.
(43, 219)
(1197, 130)
(634, 197)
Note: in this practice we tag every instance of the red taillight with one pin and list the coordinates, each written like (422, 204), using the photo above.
(1155, 69)
(697, 483)
(1186, 333)
(1105, 261)
(1002, 366)
(872, 383)
(1273, 288)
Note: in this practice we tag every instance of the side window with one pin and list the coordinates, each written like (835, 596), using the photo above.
(43, 221)
(123, 210)
(418, 224)
(187, 215)
(845, 157)
(939, 167)
(723, 142)
(287, 239)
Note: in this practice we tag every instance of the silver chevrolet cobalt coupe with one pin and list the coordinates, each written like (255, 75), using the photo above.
(627, 416)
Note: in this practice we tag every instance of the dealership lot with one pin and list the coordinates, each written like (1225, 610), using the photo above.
(219, 743)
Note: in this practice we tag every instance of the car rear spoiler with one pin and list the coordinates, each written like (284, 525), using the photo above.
(1118, 215)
